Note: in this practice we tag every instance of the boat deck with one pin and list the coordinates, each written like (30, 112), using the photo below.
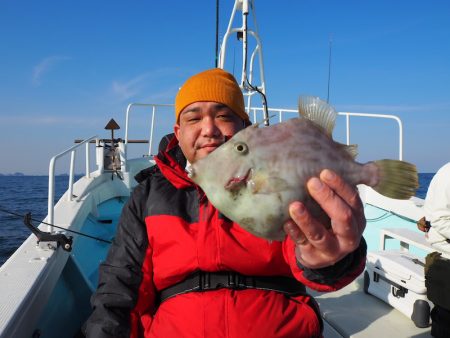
(79, 277)
(102, 225)
(350, 312)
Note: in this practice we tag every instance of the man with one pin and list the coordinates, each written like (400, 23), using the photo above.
(436, 223)
(437, 210)
(178, 268)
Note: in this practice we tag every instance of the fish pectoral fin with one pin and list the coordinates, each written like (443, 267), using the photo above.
(268, 185)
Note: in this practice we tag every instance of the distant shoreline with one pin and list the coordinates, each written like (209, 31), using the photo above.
(13, 174)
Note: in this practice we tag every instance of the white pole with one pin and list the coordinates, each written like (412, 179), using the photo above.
(347, 118)
(151, 131)
(88, 174)
(51, 192)
(71, 175)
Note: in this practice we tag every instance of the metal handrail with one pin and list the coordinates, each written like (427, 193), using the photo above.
(281, 111)
(127, 117)
(278, 111)
(383, 116)
(51, 176)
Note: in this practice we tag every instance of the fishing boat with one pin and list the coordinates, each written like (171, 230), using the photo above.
(47, 283)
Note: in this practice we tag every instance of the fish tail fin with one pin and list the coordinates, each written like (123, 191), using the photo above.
(396, 179)
(317, 111)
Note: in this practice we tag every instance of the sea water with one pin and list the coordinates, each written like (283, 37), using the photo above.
(20, 195)
(23, 194)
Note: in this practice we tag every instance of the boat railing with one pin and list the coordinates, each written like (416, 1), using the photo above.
(256, 116)
(51, 175)
(153, 107)
(281, 113)
(379, 116)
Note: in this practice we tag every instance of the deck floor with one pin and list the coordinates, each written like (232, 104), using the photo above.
(352, 313)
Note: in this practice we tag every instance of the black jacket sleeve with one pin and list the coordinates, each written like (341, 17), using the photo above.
(347, 265)
(120, 275)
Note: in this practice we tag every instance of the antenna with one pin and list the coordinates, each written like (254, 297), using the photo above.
(329, 67)
(217, 33)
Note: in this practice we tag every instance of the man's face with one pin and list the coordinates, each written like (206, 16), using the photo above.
(203, 126)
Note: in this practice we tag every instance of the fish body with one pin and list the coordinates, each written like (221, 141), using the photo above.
(255, 175)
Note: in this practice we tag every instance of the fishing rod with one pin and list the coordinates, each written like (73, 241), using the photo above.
(64, 241)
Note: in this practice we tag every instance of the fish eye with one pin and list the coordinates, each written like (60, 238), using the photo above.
(241, 148)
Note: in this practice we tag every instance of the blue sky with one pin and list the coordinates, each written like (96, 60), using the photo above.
(67, 67)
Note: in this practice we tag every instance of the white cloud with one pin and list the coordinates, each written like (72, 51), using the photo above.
(153, 84)
(48, 120)
(126, 90)
(165, 96)
(45, 66)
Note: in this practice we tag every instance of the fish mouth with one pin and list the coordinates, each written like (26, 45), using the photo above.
(239, 181)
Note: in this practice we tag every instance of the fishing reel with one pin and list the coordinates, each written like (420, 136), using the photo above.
(42, 236)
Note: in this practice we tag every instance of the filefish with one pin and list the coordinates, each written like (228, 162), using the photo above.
(254, 176)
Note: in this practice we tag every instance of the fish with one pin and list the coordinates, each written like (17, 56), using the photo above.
(254, 176)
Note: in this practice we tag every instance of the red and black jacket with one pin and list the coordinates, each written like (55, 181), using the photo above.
(168, 230)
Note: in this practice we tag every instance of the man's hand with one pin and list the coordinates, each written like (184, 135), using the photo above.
(316, 245)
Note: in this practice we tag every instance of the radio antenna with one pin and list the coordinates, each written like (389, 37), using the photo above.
(217, 33)
(329, 67)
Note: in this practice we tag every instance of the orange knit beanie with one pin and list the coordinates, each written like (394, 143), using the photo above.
(215, 85)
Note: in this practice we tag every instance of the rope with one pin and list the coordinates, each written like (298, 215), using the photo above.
(389, 214)
(58, 227)
(379, 218)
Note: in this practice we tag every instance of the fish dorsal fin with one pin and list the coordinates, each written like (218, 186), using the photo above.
(351, 149)
(317, 111)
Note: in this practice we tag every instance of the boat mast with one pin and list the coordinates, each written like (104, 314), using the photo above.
(246, 7)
